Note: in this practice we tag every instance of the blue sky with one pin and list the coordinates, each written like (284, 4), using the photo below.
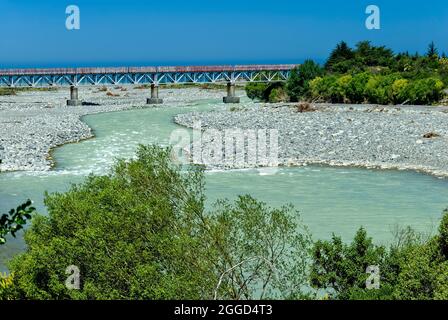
(136, 32)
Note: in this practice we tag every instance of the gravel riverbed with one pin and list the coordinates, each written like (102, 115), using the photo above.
(405, 137)
(34, 122)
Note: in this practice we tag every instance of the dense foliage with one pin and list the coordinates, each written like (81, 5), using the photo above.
(364, 57)
(142, 232)
(267, 92)
(11, 91)
(379, 89)
(298, 85)
(410, 269)
(367, 74)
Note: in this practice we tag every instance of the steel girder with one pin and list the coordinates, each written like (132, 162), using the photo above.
(136, 78)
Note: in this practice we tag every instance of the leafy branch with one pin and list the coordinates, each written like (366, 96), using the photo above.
(14, 221)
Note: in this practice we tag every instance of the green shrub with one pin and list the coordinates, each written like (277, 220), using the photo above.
(6, 287)
(379, 89)
(278, 95)
(368, 55)
(371, 74)
(342, 89)
(424, 269)
(343, 85)
(7, 92)
(142, 232)
(426, 91)
(298, 84)
(13, 91)
(317, 88)
(411, 269)
(325, 89)
(341, 268)
(344, 59)
(355, 91)
(267, 92)
(339, 60)
(400, 91)
(393, 89)
(256, 90)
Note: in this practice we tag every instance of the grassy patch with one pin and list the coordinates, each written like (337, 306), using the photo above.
(13, 91)
(204, 86)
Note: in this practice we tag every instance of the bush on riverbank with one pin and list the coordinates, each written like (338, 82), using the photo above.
(366, 74)
(411, 269)
(298, 84)
(6, 287)
(378, 89)
(267, 92)
(256, 91)
(142, 232)
(278, 94)
(14, 91)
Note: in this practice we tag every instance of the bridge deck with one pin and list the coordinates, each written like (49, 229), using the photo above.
(143, 75)
(116, 70)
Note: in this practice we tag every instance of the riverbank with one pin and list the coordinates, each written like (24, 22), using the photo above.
(330, 199)
(33, 123)
(384, 137)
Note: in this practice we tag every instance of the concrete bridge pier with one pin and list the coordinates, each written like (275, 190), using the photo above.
(74, 100)
(154, 95)
(231, 98)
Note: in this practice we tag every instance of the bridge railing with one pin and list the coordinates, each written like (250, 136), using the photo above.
(153, 76)
(143, 75)
(124, 70)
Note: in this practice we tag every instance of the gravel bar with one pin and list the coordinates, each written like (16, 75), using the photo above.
(384, 137)
(34, 122)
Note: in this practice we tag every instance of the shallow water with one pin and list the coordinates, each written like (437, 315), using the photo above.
(338, 200)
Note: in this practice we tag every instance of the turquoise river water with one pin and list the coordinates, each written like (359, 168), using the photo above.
(329, 199)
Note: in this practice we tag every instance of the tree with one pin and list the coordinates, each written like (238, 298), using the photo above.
(267, 92)
(443, 235)
(256, 90)
(15, 220)
(425, 269)
(413, 268)
(367, 73)
(367, 55)
(426, 91)
(278, 95)
(142, 232)
(343, 59)
(339, 57)
(298, 84)
(265, 253)
(341, 269)
(432, 51)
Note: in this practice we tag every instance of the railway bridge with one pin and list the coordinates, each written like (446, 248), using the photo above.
(151, 76)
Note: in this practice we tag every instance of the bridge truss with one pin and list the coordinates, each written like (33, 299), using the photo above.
(58, 77)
